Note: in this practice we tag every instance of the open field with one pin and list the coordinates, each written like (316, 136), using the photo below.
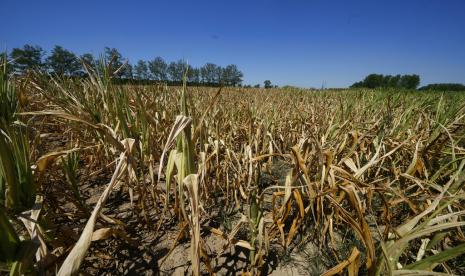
(160, 180)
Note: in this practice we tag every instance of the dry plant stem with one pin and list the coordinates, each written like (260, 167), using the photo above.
(72, 262)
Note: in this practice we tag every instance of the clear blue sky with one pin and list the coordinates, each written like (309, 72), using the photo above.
(295, 42)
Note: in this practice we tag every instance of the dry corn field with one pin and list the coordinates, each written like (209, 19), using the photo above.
(99, 178)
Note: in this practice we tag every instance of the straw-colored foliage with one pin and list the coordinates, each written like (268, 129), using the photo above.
(380, 173)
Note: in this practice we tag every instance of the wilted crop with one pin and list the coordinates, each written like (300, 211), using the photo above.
(372, 178)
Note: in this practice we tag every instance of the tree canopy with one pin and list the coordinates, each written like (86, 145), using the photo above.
(27, 58)
(64, 62)
(444, 87)
(397, 81)
(267, 84)
(141, 70)
(158, 69)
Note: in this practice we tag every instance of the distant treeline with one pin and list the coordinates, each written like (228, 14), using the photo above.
(444, 87)
(63, 62)
(404, 82)
(397, 81)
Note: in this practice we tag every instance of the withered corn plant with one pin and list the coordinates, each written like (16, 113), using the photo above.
(371, 178)
(17, 185)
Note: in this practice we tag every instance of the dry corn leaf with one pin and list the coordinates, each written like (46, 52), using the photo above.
(191, 183)
(72, 262)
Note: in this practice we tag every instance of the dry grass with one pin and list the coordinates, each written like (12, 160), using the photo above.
(385, 168)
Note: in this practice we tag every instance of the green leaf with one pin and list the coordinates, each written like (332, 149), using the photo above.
(9, 240)
(430, 262)
(169, 175)
(24, 258)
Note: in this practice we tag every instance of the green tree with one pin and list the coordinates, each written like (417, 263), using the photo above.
(63, 62)
(114, 56)
(141, 70)
(208, 73)
(176, 70)
(194, 75)
(267, 84)
(394, 81)
(218, 75)
(122, 68)
(444, 87)
(27, 58)
(373, 81)
(159, 69)
(127, 72)
(410, 81)
(88, 60)
(358, 84)
(397, 81)
(231, 75)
